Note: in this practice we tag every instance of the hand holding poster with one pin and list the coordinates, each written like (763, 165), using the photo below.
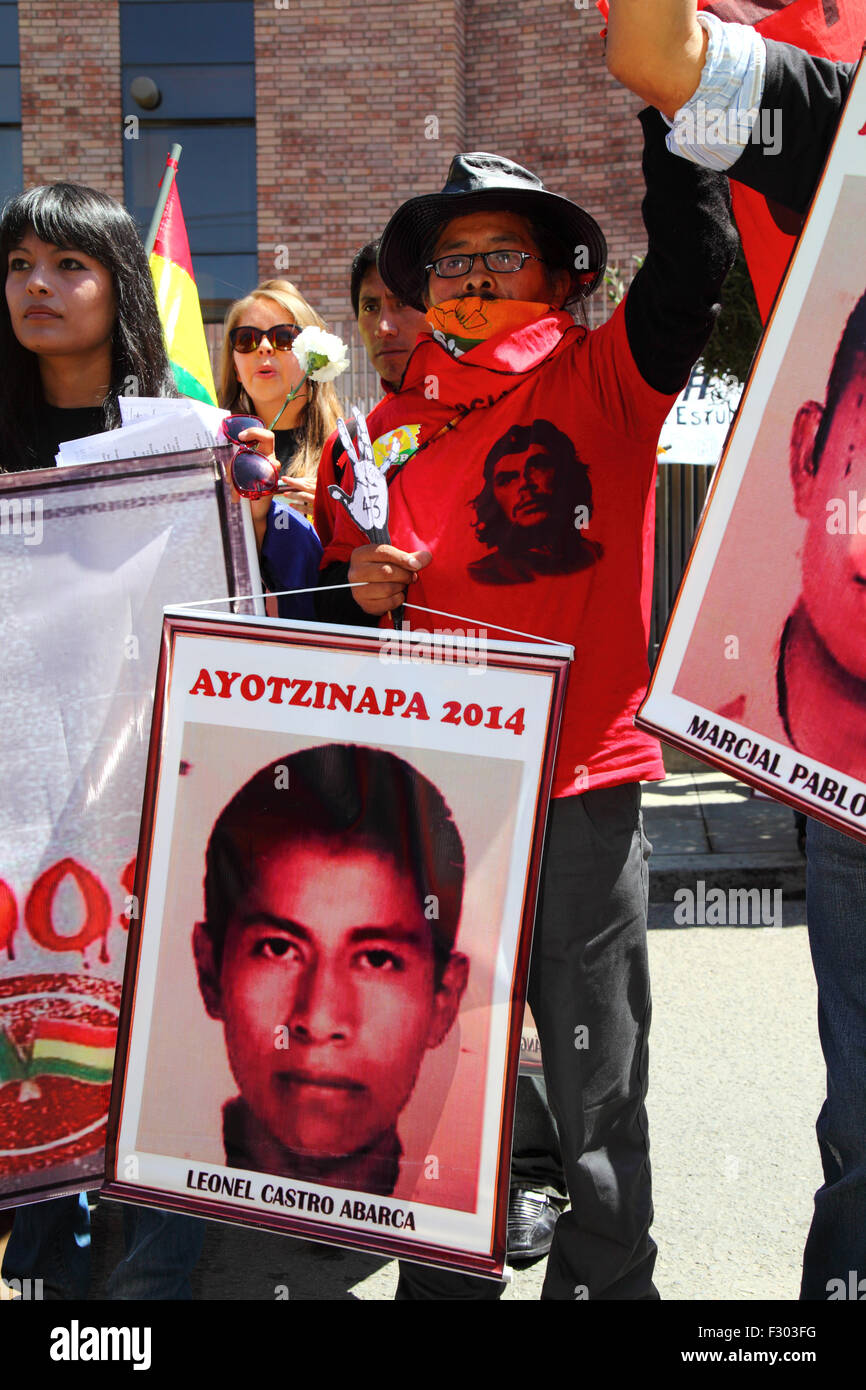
(338, 871)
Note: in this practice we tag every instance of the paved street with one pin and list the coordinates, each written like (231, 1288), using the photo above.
(736, 1082)
(706, 826)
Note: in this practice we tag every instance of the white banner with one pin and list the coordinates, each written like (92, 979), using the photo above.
(697, 427)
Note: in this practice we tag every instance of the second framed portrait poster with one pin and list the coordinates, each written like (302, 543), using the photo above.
(338, 870)
(762, 671)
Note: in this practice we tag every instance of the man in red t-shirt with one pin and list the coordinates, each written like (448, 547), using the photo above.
(389, 329)
(504, 372)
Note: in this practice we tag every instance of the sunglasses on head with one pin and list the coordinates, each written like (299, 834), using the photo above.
(252, 474)
(245, 338)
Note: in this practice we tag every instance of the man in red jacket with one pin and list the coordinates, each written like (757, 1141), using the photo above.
(494, 258)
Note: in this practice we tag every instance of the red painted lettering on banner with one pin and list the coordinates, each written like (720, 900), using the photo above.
(40, 902)
(279, 683)
(299, 691)
(310, 694)
(252, 687)
(226, 680)
(454, 713)
(416, 708)
(368, 704)
(8, 918)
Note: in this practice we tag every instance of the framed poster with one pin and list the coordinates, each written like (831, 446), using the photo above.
(337, 873)
(762, 671)
(89, 556)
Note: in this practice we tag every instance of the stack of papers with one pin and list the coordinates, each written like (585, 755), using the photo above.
(151, 425)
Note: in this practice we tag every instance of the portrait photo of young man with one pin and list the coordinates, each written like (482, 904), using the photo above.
(328, 1002)
(821, 673)
(333, 893)
(793, 667)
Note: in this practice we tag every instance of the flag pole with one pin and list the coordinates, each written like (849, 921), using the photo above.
(164, 190)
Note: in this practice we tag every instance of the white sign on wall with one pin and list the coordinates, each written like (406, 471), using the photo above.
(697, 427)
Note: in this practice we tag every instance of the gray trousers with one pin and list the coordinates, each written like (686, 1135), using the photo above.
(589, 992)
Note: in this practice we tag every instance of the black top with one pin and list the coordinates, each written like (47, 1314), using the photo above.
(809, 94)
(672, 304)
(55, 425)
(286, 444)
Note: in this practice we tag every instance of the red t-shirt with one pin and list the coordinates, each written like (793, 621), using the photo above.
(539, 510)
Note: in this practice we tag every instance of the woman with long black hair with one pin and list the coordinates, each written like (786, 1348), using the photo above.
(78, 328)
(78, 325)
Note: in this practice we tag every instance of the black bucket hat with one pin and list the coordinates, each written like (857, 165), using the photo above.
(479, 183)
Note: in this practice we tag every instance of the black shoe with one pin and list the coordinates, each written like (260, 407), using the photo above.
(531, 1219)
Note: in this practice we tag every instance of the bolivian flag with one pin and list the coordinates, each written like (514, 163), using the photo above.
(67, 1048)
(177, 301)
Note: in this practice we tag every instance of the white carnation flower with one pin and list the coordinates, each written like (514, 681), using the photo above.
(322, 355)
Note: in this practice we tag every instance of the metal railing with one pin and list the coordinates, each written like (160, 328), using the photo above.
(681, 490)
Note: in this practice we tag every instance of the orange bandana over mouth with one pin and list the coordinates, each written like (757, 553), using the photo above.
(461, 324)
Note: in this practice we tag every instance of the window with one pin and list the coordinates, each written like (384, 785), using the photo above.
(201, 59)
(10, 103)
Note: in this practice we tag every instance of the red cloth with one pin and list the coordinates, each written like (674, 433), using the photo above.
(172, 242)
(834, 29)
(589, 389)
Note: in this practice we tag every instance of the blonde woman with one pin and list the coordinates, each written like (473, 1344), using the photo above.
(258, 375)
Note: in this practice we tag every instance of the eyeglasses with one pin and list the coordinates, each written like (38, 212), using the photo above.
(245, 338)
(497, 262)
(253, 474)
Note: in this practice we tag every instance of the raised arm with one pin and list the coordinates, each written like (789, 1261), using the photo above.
(673, 301)
(657, 48)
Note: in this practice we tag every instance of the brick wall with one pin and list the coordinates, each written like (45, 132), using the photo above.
(71, 119)
(361, 105)
(358, 106)
(539, 93)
